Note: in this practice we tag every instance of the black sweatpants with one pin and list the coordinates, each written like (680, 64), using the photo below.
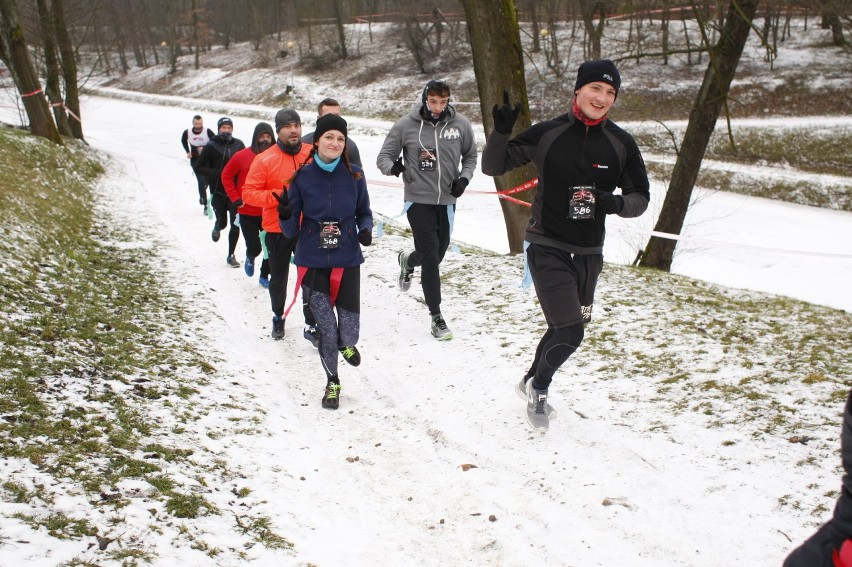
(563, 283)
(250, 225)
(431, 228)
(280, 250)
(202, 181)
(225, 209)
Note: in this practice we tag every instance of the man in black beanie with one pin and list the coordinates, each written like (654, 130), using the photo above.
(267, 181)
(581, 158)
(218, 151)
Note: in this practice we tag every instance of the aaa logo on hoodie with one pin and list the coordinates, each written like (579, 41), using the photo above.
(451, 134)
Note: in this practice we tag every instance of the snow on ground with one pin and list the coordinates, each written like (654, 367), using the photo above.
(381, 481)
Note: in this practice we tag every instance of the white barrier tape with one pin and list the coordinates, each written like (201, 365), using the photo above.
(679, 237)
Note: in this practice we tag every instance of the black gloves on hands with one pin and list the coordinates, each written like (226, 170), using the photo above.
(365, 237)
(285, 209)
(458, 186)
(238, 203)
(505, 116)
(608, 203)
(398, 167)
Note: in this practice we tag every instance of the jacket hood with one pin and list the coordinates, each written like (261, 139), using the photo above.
(417, 113)
(262, 127)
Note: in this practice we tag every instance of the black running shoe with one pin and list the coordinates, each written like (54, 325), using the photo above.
(351, 355)
(277, 327)
(331, 398)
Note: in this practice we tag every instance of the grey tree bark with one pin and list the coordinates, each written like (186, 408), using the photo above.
(17, 58)
(498, 64)
(69, 68)
(711, 98)
(51, 64)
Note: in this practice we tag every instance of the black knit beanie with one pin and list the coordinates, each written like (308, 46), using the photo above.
(329, 122)
(600, 70)
(286, 116)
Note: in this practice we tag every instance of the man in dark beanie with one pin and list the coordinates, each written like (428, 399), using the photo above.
(581, 158)
(218, 151)
(602, 70)
(233, 178)
(268, 178)
(438, 160)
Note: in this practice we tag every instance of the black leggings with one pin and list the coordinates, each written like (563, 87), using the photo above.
(225, 209)
(280, 249)
(250, 226)
(553, 350)
(202, 181)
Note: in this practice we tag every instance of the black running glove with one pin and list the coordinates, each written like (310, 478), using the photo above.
(504, 116)
(609, 204)
(458, 186)
(365, 237)
(238, 203)
(285, 209)
(398, 167)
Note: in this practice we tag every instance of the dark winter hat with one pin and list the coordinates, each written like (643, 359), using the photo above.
(329, 122)
(224, 121)
(602, 70)
(286, 116)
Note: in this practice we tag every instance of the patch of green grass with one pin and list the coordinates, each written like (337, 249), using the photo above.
(131, 557)
(170, 454)
(59, 525)
(261, 528)
(189, 506)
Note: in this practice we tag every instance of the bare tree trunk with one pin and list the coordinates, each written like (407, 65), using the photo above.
(69, 68)
(712, 96)
(137, 43)
(341, 31)
(171, 22)
(664, 27)
(594, 31)
(536, 26)
(17, 59)
(195, 35)
(51, 64)
(831, 11)
(118, 35)
(498, 62)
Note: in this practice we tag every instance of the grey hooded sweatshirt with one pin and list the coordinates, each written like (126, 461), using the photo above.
(434, 155)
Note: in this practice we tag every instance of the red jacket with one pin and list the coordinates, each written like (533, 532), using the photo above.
(234, 177)
(271, 172)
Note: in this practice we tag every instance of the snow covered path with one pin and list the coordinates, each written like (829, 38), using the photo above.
(381, 481)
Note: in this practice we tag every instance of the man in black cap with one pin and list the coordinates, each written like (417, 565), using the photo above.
(581, 158)
(218, 151)
(268, 178)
